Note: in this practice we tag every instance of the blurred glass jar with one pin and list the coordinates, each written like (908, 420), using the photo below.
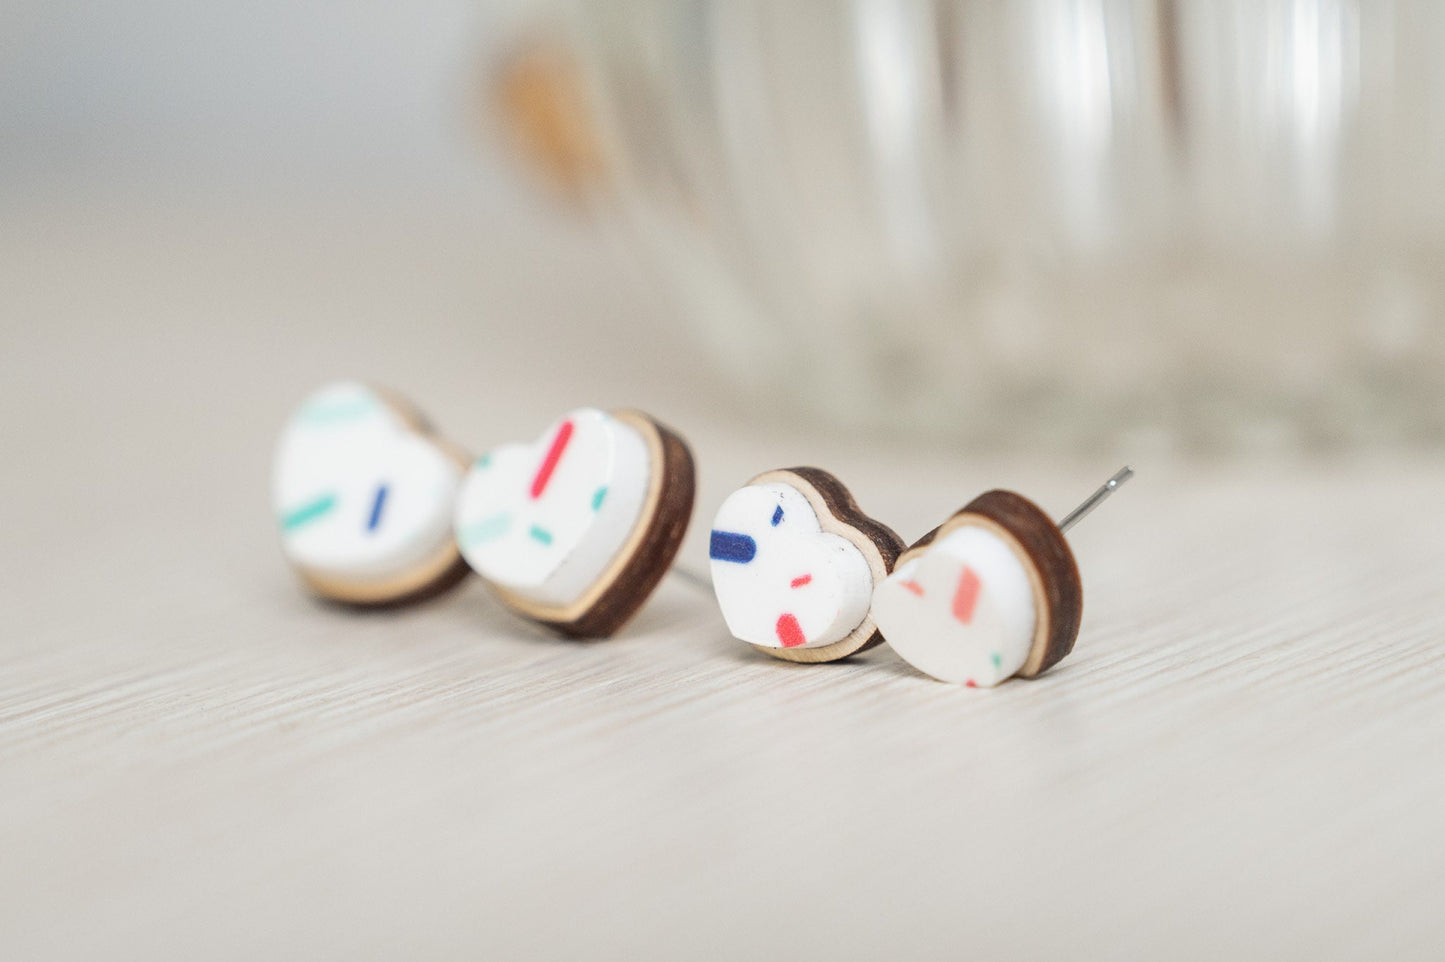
(1068, 222)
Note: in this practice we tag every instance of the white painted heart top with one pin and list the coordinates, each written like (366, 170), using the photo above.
(781, 580)
(547, 520)
(359, 493)
(964, 609)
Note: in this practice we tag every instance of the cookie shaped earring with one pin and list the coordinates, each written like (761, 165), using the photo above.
(991, 593)
(794, 565)
(363, 492)
(576, 529)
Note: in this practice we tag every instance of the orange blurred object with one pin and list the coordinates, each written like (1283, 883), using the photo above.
(538, 93)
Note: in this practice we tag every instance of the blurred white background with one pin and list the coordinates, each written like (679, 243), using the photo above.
(291, 192)
(301, 93)
(1087, 224)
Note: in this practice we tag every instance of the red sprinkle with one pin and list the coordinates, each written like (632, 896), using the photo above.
(790, 633)
(966, 596)
(549, 463)
(913, 586)
(801, 580)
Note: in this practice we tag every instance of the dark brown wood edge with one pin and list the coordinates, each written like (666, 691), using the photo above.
(842, 505)
(653, 555)
(398, 591)
(1053, 565)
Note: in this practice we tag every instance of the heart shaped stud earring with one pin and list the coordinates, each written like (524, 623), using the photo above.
(363, 492)
(991, 593)
(576, 529)
(794, 565)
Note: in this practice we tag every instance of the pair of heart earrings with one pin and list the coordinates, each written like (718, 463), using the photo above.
(576, 529)
(804, 575)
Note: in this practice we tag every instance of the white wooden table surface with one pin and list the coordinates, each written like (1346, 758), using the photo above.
(1245, 756)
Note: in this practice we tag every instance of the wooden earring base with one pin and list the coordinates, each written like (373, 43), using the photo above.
(1053, 573)
(839, 514)
(646, 556)
(436, 575)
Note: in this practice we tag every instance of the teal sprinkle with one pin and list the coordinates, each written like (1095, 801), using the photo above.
(485, 530)
(541, 534)
(599, 497)
(324, 413)
(308, 512)
(484, 462)
(997, 659)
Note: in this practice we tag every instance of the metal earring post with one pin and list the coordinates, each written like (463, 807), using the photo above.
(1093, 500)
(702, 581)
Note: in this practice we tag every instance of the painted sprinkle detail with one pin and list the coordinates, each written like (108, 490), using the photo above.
(327, 413)
(549, 463)
(790, 633)
(731, 546)
(308, 512)
(965, 597)
(375, 517)
(487, 529)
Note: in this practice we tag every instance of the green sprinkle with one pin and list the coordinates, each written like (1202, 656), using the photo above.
(997, 659)
(325, 413)
(308, 512)
(484, 462)
(485, 530)
(540, 534)
(598, 498)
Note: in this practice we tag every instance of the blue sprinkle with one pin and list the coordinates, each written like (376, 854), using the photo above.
(729, 546)
(777, 515)
(375, 518)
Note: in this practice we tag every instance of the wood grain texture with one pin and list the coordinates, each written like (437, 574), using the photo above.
(838, 513)
(1238, 761)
